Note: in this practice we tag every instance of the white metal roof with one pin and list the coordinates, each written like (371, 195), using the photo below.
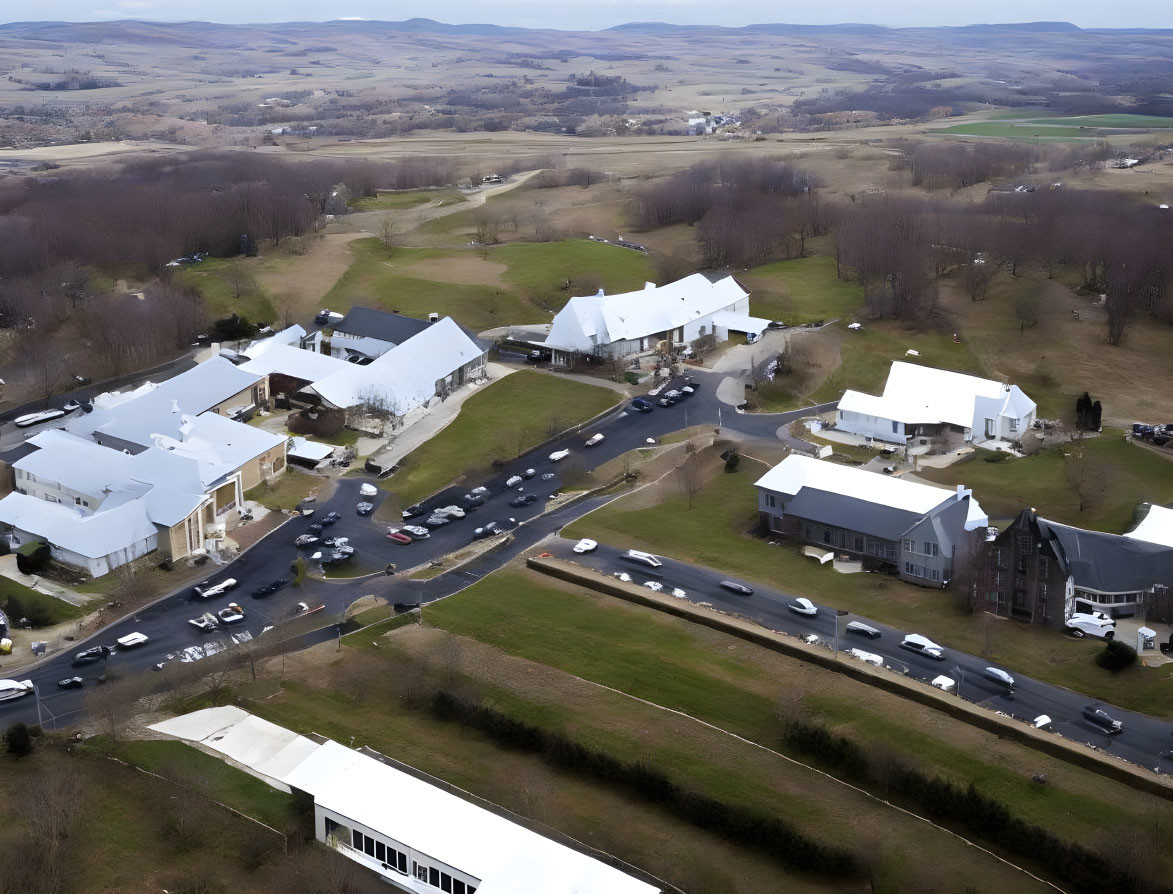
(507, 857)
(93, 536)
(796, 472)
(293, 361)
(739, 322)
(288, 336)
(633, 315)
(1156, 527)
(406, 376)
(261, 747)
(303, 448)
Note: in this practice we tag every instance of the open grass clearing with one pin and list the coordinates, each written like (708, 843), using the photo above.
(802, 290)
(228, 287)
(736, 686)
(399, 200)
(500, 422)
(288, 490)
(1114, 475)
(718, 532)
(1112, 120)
(19, 601)
(1026, 132)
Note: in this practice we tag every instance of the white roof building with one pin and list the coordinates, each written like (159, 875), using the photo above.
(1156, 527)
(918, 529)
(413, 834)
(919, 400)
(633, 322)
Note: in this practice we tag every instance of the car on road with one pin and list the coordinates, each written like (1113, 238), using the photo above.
(469, 502)
(316, 528)
(666, 401)
(437, 521)
(81, 380)
(640, 405)
(488, 530)
(415, 509)
(482, 492)
(231, 614)
(207, 622)
(398, 536)
(416, 531)
(642, 558)
(529, 473)
(270, 588)
(803, 606)
(523, 500)
(688, 390)
(90, 655)
(654, 585)
(453, 512)
(11, 689)
(867, 657)
(594, 439)
(999, 676)
(1101, 718)
(132, 640)
(622, 576)
(71, 683)
(586, 545)
(209, 590)
(548, 476)
(513, 481)
(365, 508)
(401, 607)
(330, 517)
(859, 628)
(558, 455)
(922, 645)
(736, 586)
(70, 406)
(305, 540)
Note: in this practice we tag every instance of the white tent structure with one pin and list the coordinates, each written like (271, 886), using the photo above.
(1156, 527)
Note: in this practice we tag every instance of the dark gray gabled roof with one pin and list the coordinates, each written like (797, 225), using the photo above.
(370, 323)
(852, 514)
(394, 328)
(1109, 563)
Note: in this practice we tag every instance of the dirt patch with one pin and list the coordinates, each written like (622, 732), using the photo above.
(296, 283)
(467, 269)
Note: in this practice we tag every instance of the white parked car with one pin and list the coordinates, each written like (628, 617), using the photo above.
(622, 575)
(585, 546)
(208, 591)
(593, 440)
(10, 689)
(450, 512)
(679, 593)
(914, 642)
(803, 606)
(635, 555)
(999, 676)
(1094, 624)
(945, 684)
(558, 455)
(131, 640)
(654, 585)
(513, 480)
(867, 657)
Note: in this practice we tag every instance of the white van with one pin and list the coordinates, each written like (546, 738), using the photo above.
(1095, 624)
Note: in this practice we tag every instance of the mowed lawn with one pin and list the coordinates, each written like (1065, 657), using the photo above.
(719, 532)
(402, 200)
(523, 282)
(212, 279)
(801, 290)
(737, 686)
(501, 422)
(1117, 476)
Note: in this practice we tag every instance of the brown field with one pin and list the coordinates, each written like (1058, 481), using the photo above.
(296, 283)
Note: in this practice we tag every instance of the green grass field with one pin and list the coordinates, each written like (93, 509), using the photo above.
(400, 201)
(211, 279)
(289, 490)
(1119, 475)
(801, 290)
(866, 356)
(1025, 133)
(673, 663)
(501, 422)
(20, 601)
(530, 289)
(1111, 121)
(717, 532)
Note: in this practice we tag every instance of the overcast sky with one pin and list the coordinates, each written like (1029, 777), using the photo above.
(595, 14)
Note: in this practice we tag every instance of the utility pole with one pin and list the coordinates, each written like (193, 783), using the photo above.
(839, 613)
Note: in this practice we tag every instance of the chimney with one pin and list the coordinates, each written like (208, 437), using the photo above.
(963, 492)
(599, 294)
(433, 318)
(174, 406)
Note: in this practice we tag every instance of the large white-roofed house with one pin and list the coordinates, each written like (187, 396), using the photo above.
(919, 530)
(616, 326)
(923, 402)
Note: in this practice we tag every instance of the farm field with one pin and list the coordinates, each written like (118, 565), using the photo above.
(502, 421)
(1032, 133)
(719, 532)
(400, 200)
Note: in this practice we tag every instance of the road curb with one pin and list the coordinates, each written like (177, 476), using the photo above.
(999, 724)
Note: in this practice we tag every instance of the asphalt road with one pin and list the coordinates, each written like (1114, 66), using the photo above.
(1141, 741)
(172, 639)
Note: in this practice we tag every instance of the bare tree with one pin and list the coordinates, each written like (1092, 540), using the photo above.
(689, 476)
(387, 232)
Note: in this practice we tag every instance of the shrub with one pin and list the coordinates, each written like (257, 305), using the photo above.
(32, 557)
(1116, 655)
(732, 461)
(18, 739)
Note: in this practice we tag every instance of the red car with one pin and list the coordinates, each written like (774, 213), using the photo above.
(398, 537)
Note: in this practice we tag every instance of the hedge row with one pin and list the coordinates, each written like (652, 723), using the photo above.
(979, 815)
(747, 827)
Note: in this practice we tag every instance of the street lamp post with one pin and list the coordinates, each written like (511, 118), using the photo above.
(839, 613)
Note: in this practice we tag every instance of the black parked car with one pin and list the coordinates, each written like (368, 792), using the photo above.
(470, 502)
(413, 510)
(736, 586)
(640, 405)
(330, 517)
(270, 588)
(1101, 718)
(89, 656)
(401, 607)
(524, 500)
(71, 683)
